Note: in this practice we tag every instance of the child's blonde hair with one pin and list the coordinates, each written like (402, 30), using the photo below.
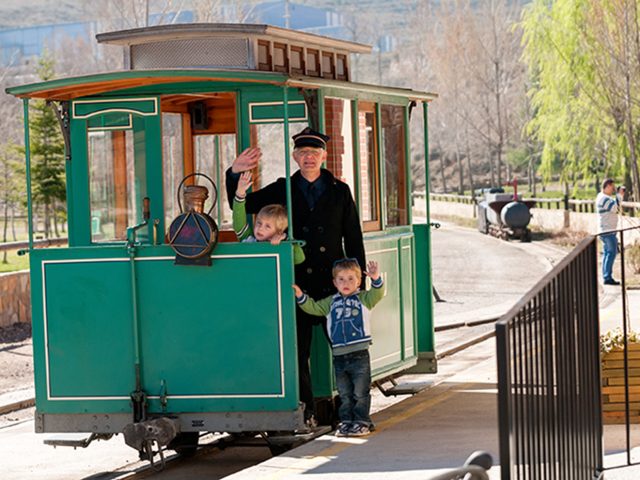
(346, 264)
(277, 213)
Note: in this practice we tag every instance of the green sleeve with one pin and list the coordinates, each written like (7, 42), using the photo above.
(321, 308)
(240, 225)
(372, 296)
(298, 254)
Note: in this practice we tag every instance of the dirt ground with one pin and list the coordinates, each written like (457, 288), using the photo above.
(16, 359)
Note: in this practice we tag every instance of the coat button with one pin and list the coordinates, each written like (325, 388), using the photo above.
(322, 249)
(320, 229)
(305, 229)
(309, 270)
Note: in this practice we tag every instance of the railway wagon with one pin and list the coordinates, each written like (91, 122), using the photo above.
(125, 331)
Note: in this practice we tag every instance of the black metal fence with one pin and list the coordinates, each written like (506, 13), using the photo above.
(549, 375)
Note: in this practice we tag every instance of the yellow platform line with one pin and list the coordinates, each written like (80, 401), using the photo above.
(338, 446)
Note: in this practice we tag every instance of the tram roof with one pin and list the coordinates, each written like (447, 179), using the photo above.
(158, 33)
(87, 85)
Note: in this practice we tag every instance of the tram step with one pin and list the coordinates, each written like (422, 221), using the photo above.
(402, 389)
(75, 440)
(304, 437)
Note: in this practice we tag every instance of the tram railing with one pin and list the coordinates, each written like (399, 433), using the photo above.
(550, 423)
(474, 468)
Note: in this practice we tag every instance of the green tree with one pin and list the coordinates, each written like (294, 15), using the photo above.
(584, 58)
(11, 185)
(47, 154)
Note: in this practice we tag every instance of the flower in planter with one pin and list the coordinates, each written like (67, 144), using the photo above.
(614, 339)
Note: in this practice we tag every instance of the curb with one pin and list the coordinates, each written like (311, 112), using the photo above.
(18, 400)
(472, 323)
(463, 346)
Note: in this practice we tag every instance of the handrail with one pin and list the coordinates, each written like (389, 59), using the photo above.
(47, 242)
(475, 468)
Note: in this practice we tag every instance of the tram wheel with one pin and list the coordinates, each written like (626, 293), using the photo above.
(185, 443)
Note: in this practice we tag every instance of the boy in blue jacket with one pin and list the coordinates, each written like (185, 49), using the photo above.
(347, 324)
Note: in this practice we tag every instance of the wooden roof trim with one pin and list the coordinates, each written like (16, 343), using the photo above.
(313, 82)
(68, 89)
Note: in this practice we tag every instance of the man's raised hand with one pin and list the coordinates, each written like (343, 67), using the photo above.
(247, 160)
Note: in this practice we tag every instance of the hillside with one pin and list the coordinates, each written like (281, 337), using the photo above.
(21, 13)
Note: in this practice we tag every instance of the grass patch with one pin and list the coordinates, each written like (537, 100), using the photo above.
(566, 239)
(14, 263)
(456, 220)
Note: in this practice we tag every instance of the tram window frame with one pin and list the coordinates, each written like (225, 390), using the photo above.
(372, 168)
(173, 159)
(272, 166)
(341, 146)
(394, 182)
(280, 57)
(125, 182)
(222, 112)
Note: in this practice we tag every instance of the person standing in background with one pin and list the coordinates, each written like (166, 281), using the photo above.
(607, 209)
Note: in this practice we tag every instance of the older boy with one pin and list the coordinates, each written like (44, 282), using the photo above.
(270, 225)
(347, 325)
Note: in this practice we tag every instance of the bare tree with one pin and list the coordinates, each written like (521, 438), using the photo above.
(469, 53)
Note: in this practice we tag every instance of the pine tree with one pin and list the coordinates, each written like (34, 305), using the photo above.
(47, 153)
(11, 185)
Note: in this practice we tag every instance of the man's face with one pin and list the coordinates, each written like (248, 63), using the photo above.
(609, 189)
(309, 160)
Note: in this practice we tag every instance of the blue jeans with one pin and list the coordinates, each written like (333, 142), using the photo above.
(610, 243)
(353, 379)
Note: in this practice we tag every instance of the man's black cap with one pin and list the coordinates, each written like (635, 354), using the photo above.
(310, 138)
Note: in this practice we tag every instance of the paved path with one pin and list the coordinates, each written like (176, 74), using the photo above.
(480, 276)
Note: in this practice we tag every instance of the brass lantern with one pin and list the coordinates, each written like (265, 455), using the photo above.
(193, 234)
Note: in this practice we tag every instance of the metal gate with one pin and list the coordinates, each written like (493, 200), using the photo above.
(549, 375)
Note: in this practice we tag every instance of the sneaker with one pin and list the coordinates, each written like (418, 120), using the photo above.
(359, 430)
(611, 281)
(343, 430)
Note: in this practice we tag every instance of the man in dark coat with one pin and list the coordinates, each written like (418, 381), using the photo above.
(324, 215)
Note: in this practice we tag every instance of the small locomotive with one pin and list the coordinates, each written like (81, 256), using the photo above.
(505, 215)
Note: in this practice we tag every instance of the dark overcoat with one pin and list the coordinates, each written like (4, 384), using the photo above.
(332, 221)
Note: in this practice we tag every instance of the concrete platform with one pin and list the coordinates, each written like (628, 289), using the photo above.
(437, 429)
(417, 438)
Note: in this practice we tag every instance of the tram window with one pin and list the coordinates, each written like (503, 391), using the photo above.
(173, 165)
(269, 136)
(328, 65)
(213, 155)
(341, 67)
(264, 55)
(369, 191)
(280, 58)
(313, 62)
(416, 136)
(297, 60)
(115, 184)
(338, 126)
(393, 148)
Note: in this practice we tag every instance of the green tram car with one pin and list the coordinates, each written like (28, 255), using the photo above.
(122, 333)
